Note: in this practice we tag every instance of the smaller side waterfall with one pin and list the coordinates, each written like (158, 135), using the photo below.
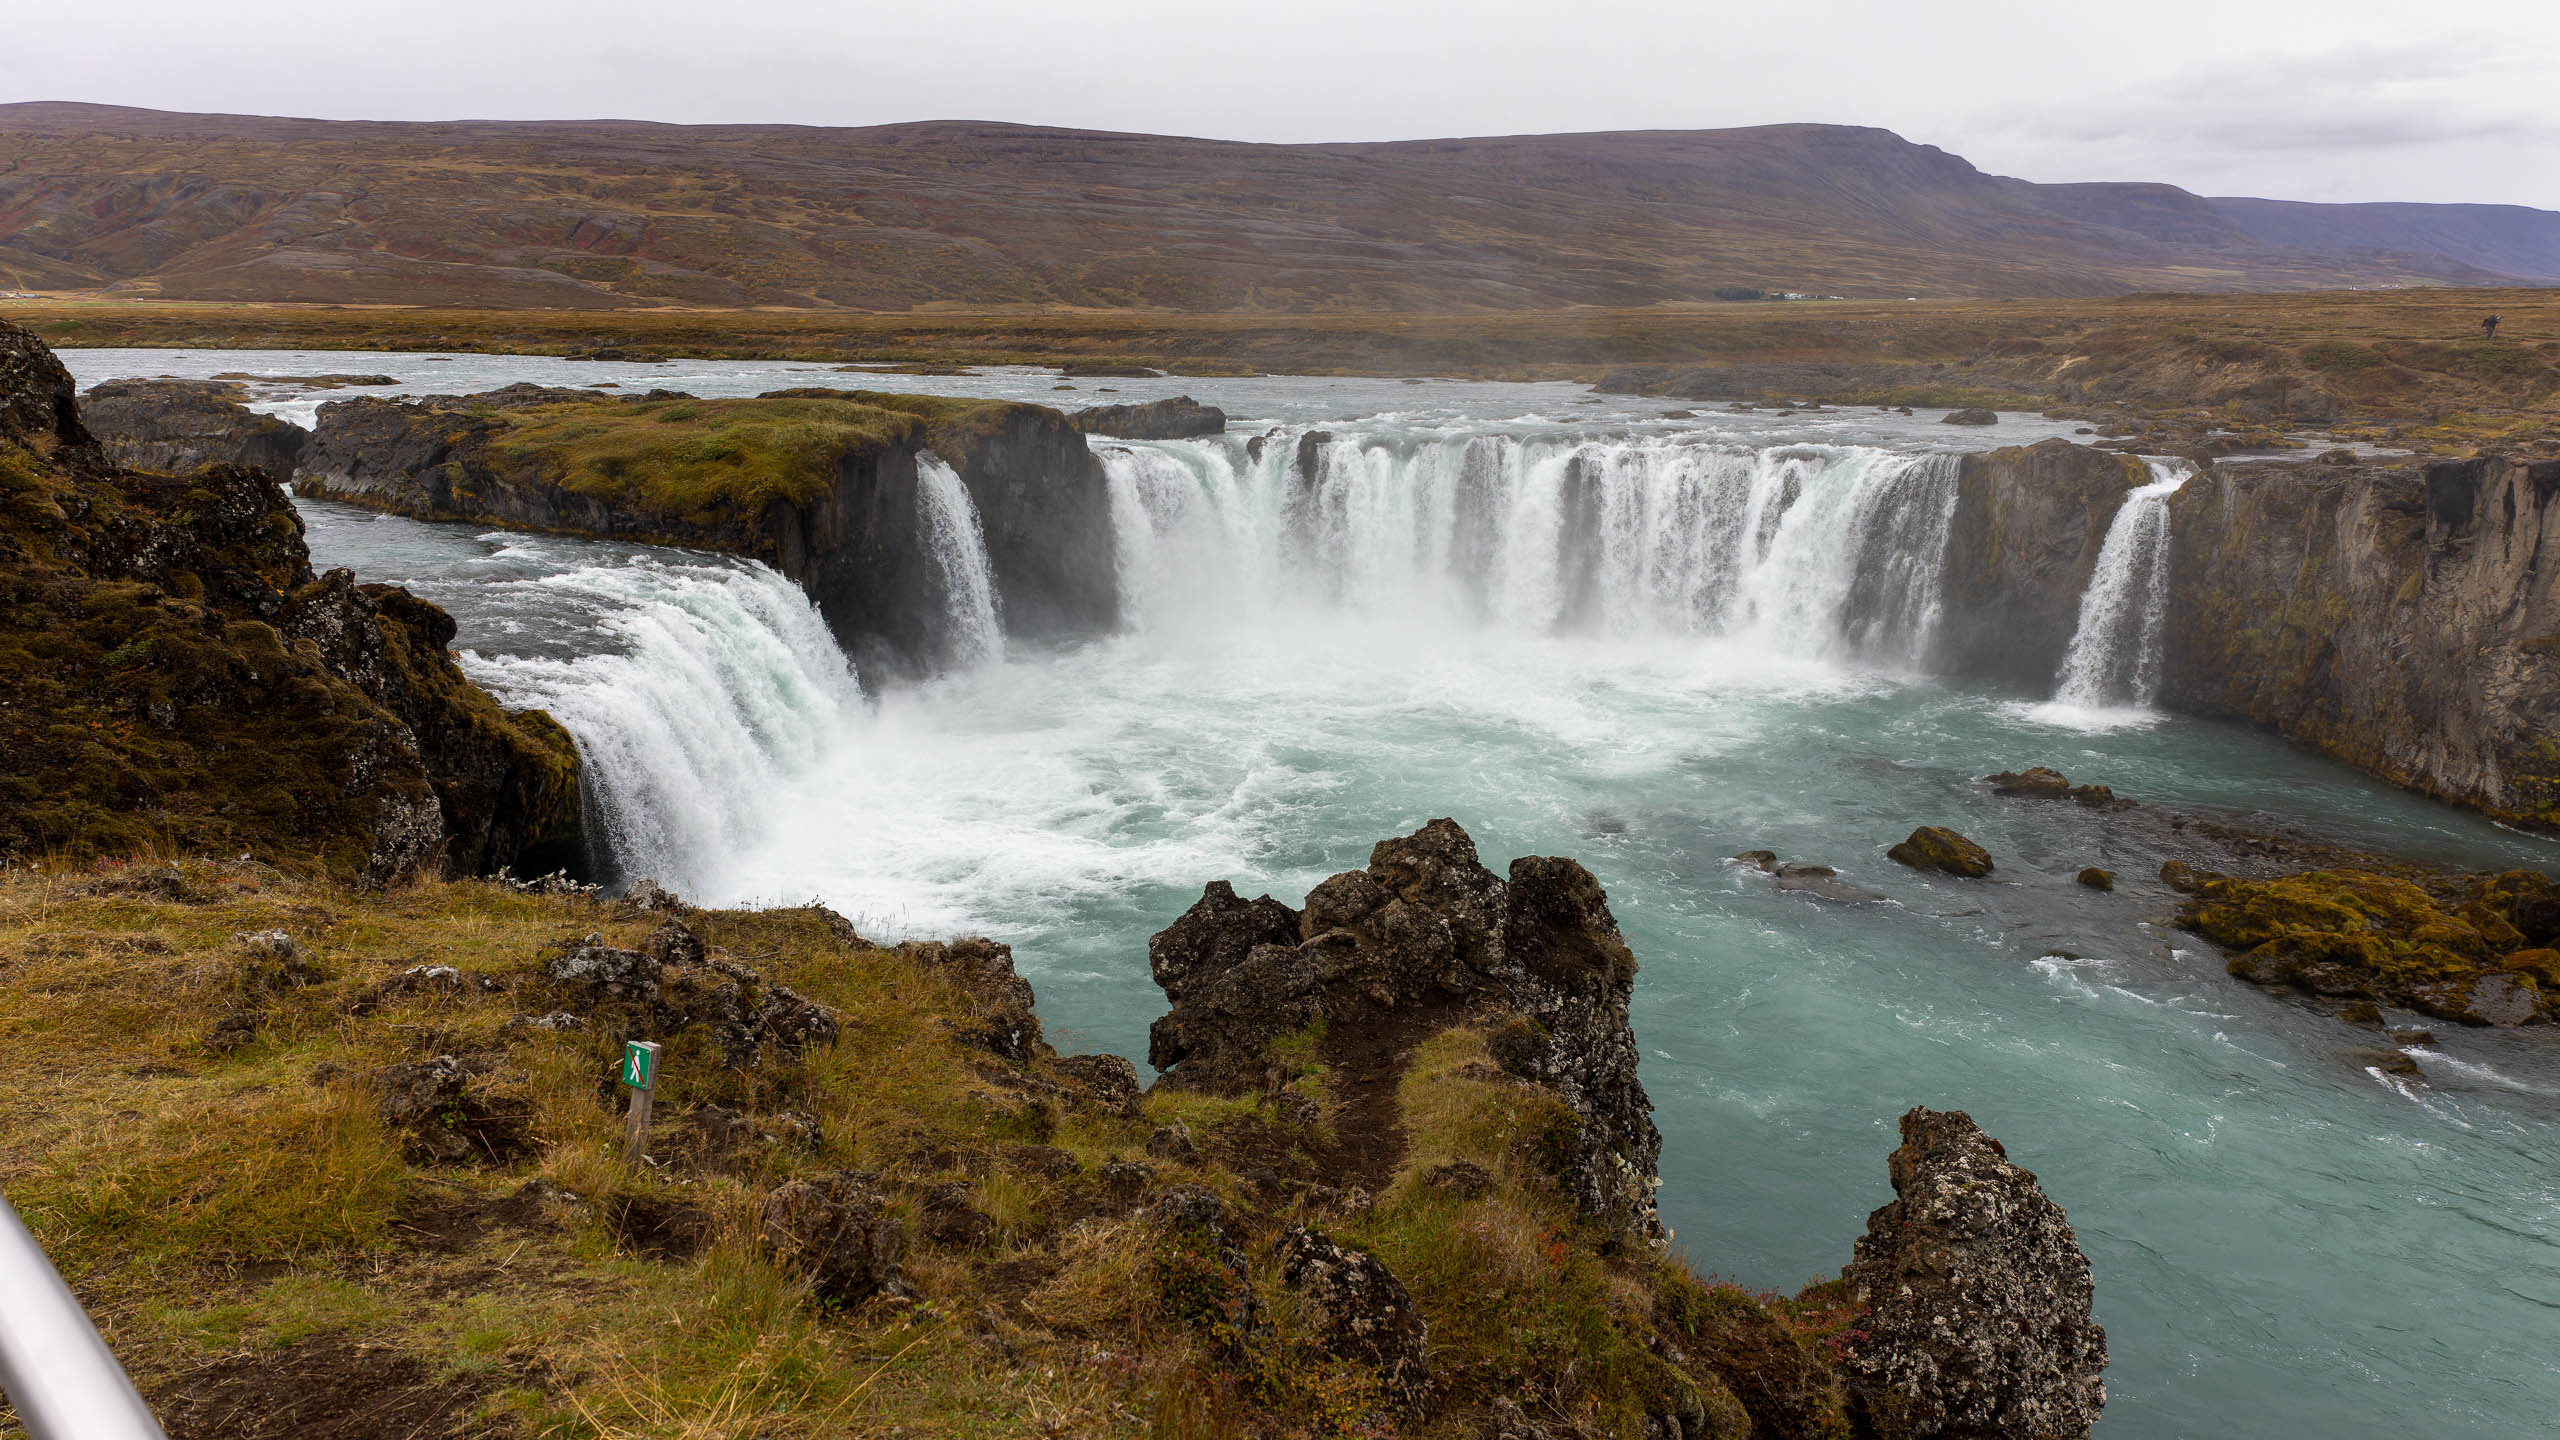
(2114, 659)
(959, 545)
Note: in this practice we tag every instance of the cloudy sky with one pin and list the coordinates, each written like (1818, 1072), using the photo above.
(2334, 100)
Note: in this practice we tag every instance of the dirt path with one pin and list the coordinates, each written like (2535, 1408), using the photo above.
(1365, 1058)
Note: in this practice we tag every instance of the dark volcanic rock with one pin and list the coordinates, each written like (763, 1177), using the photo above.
(174, 426)
(447, 1112)
(225, 697)
(1979, 1300)
(1970, 417)
(671, 985)
(1200, 1276)
(2026, 533)
(1000, 998)
(1361, 1311)
(1426, 931)
(835, 1229)
(1934, 847)
(1180, 418)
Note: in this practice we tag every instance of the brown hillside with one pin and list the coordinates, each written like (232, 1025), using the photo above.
(608, 214)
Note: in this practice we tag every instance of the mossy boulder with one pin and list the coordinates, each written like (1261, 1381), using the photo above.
(1934, 847)
(2367, 936)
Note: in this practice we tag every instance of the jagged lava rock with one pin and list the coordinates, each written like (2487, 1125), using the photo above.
(1979, 1300)
(1362, 1311)
(1427, 933)
(174, 426)
(1935, 847)
(223, 696)
(836, 1230)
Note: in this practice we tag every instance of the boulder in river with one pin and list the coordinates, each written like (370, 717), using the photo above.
(1979, 1299)
(1180, 418)
(1971, 416)
(1934, 847)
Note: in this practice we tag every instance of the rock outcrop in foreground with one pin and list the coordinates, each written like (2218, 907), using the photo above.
(1381, 1223)
(1424, 939)
(173, 675)
(824, 485)
(1977, 1299)
(1967, 1311)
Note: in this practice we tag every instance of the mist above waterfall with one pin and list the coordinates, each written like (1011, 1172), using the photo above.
(1810, 551)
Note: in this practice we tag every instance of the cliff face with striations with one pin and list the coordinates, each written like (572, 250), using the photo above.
(821, 484)
(173, 675)
(2028, 525)
(2405, 622)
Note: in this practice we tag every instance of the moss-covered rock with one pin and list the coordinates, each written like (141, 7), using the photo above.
(173, 676)
(1934, 847)
(2357, 934)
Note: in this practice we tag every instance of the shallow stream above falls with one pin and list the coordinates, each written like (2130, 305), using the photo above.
(2285, 1242)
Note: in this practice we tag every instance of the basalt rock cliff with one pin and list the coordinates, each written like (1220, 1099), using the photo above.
(2028, 525)
(2405, 621)
(822, 484)
(173, 675)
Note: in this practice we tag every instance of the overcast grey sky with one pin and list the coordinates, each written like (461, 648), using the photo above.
(2334, 100)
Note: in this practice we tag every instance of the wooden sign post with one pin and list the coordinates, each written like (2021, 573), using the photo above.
(640, 1072)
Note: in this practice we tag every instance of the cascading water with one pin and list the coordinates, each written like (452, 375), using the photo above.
(703, 686)
(2114, 659)
(959, 546)
(1810, 550)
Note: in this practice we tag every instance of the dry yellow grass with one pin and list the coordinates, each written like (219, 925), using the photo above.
(200, 1148)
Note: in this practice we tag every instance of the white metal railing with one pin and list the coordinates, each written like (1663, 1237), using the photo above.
(60, 1377)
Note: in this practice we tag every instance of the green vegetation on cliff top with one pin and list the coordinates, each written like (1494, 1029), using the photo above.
(687, 457)
(703, 459)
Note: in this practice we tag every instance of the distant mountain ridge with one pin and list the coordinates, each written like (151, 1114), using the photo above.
(607, 214)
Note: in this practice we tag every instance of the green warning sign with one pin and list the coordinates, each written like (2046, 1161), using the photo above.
(640, 1064)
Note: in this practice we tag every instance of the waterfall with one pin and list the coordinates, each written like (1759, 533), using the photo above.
(959, 547)
(2114, 659)
(699, 689)
(1813, 550)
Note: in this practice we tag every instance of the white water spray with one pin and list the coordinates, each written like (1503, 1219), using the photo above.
(1817, 551)
(959, 546)
(712, 686)
(2114, 659)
